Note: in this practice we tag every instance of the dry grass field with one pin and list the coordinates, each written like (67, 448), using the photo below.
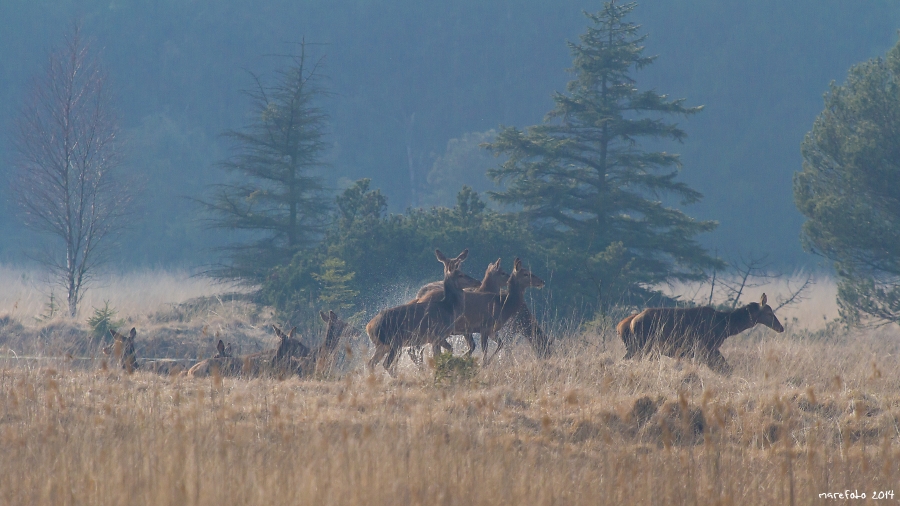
(810, 411)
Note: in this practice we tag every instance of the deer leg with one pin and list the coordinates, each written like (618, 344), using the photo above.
(634, 351)
(499, 346)
(717, 362)
(525, 323)
(380, 351)
(470, 341)
(390, 362)
(415, 354)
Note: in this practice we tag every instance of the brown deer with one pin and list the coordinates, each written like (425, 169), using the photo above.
(523, 323)
(254, 364)
(485, 313)
(418, 323)
(123, 349)
(697, 331)
(290, 357)
(304, 362)
(494, 279)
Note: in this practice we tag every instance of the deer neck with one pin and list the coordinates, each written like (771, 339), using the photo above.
(453, 294)
(514, 297)
(332, 337)
(129, 356)
(489, 284)
(738, 321)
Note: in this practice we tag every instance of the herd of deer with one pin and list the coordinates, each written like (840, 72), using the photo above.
(290, 357)
(461, 305)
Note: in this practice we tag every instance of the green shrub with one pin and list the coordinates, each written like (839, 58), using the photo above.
(103, 321)
(450, 369)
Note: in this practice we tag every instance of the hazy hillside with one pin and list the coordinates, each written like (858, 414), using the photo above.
(411, 76)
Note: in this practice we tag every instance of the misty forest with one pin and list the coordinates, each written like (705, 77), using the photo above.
(241, 252)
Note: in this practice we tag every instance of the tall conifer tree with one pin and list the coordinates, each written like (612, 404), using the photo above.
(587, 185)
(278, 196)
(849, 189)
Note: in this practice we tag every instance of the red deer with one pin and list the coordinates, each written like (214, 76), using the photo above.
(418, 323)
(486, 313)
(290, 357)
(697, 332)
(523, 323)
(123, 349)
(304, 362)
(494, 279)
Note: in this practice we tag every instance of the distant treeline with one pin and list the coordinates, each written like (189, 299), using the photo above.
(408, 77)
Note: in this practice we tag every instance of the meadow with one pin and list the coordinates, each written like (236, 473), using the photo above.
(814, 410)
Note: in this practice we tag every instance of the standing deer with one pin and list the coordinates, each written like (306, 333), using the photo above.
(418, 323)
(523, 323)
(697, 331)
(494, 279)
(486, 313)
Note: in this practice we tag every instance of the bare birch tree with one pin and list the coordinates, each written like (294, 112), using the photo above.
(67, 156)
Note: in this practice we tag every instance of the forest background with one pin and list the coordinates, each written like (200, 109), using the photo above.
(416, 87)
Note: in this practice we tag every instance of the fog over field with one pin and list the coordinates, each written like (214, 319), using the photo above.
(249, 252)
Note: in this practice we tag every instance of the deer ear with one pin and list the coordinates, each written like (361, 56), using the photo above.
(332, 315)
(763, 300)
(132, 333)
(497, 263)
(291, 333)
(517, 264)
(323, 316)
(112, 333)
(440, 256)
(462, 256)
(220, 346)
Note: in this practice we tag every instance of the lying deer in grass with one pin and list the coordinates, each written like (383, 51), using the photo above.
(289, 358)
(697, 331)
(418, 323)
(300, 360)
(123, 350)
(485, 313)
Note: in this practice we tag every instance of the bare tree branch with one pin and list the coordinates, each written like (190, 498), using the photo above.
(751, 273)
(67, 147)
(796, 296)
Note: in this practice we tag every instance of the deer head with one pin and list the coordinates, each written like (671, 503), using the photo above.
(122, 348)
(451, 264)
(222, 350)
(762, 313)
(524, 277)
(288, 347)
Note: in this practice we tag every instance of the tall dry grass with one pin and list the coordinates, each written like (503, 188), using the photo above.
(805, 412)
(797, 418)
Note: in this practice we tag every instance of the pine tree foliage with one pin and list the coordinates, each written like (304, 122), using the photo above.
(849, 189)
(278, 196)
(586, 184)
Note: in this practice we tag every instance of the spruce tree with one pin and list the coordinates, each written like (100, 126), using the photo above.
(277, 197)
(589, 188)
(849, 189)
